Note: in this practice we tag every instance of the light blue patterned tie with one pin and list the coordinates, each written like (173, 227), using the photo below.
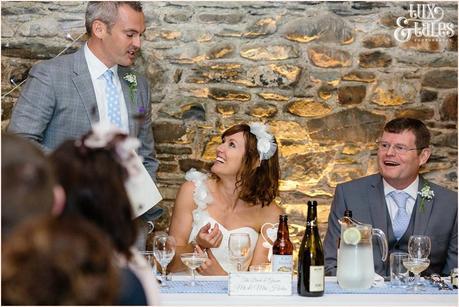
(402, 218)
(113, 99)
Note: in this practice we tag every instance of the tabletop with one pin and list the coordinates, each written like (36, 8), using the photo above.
(371, 298)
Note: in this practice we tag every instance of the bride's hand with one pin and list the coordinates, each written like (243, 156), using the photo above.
(206, 239)
(211, 266)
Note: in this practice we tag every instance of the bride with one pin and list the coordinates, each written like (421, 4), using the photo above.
(236, 197)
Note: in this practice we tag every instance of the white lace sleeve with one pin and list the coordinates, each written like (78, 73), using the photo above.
(201, 195)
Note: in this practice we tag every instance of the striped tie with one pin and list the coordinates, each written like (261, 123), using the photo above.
(402, 218)
(113, 99)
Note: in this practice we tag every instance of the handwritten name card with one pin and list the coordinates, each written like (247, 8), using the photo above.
(249, 283)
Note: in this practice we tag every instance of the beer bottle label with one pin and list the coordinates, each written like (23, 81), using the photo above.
(282, 263)
(316, 278)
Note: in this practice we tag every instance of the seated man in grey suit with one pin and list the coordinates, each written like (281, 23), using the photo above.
(402, 149)
(64, 96)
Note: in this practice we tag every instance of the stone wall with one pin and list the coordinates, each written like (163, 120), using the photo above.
(325, 75)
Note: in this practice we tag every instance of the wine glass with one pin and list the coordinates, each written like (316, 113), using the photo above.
(239, 247)
(419, 249)
(193, 261)
(164, 251)
(416, 266)
(419, 246)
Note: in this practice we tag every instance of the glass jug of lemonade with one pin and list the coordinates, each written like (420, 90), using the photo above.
(355, 259)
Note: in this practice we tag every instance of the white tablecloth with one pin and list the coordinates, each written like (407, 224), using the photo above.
(207, 299)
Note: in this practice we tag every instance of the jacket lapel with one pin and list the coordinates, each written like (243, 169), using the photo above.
(377, 203)
(132, 106)
(422, 215)
(84, 86)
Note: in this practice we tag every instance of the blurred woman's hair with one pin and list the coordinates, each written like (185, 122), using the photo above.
(93, 181)
(257, 180)
(50, 261)
(28, 182)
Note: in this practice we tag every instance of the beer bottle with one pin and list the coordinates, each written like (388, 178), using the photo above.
(347, 213)
(311, 279)
(282, 259)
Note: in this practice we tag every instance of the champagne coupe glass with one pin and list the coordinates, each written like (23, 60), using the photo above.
(193, 261)
(164, 251)
(239, 247)
(416, 266)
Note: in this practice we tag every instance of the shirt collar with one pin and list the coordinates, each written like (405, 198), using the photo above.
(95, 66)
(412, 189)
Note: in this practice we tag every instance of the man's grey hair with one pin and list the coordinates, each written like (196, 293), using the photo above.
(107, 12)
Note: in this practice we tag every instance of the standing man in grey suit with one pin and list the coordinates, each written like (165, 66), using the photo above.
(64, 96)
(402, 149)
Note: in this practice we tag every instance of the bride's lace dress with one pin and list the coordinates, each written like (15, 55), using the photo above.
(201, 217)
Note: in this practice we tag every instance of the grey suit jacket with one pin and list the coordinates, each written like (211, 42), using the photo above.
(365, 197)
(58, 102)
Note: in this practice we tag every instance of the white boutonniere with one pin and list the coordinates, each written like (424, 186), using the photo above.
(426, 193)
(131, 80)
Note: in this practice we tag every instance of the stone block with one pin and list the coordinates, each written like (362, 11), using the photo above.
(288, 130)
(324, 27)
(262, 110)
(169, 132)
(273, 96)
(193, 111)
(326, 91)
(228, 95)
(448, 110)
(421, 114)
(187, 164)
(393, 92)
(221, 18)
(380, 40)
(170, 35)
(360, 76)
(440, 78)
(329, 58)
(389, 20)
(210, 149)
(351, 125)
(452, 43)
(428, 95)
(348, 95)
(167, 168)
(374, 59)
(173, 150)
(424, 44)
(262, 27)
(227, 109)
(178, 17)
(269, 53)
(308, 108)
(272, 75)
(221, 52)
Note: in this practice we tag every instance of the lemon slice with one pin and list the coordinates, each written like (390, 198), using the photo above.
(352, 236)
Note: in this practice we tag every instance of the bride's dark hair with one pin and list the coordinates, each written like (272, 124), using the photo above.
(258, 181)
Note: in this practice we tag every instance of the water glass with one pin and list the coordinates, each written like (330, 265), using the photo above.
(398, 272)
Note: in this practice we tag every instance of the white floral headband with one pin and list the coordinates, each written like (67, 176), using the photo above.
(266, 145)
(103, 133)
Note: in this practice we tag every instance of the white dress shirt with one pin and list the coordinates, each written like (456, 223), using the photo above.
(412, 190)
(96, 70)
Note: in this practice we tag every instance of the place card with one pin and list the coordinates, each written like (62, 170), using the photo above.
(263, 283)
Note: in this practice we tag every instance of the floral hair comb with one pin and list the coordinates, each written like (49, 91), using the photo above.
(266, 145)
